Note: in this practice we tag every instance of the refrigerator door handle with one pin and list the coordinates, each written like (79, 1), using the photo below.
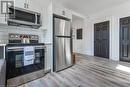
(63, 36)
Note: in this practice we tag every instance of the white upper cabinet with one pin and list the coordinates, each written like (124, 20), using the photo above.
(3, 19)
(20, 3)
(33, 5)
(27, 4)
(61, 11)
(3, 13)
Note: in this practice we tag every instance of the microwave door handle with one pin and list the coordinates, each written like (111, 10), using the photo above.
(35, 18)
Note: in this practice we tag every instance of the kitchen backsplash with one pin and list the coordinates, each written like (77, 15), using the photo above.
(5, 30)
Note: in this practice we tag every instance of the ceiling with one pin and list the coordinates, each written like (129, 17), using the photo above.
(87, 7)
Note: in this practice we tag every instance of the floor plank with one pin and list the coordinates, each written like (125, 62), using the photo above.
(88, 71)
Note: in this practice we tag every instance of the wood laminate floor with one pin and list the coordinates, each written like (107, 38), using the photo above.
(87, 72)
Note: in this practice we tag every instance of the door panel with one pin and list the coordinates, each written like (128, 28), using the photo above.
(97, 49)
(125, 50)
(101, 39)
(97, 37)
(125, 33)
(125, 39)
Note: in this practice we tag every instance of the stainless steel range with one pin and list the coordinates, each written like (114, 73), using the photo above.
(24, 55)
(24, 58)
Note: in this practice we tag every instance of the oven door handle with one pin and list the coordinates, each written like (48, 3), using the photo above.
(29, 60)
(15, 50)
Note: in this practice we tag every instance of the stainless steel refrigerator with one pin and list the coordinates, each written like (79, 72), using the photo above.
(62, 44)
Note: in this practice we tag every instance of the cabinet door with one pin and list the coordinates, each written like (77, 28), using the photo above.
(30, 5)
(33, 5)
(57, 10)
(3, 15)
(20, 3)
(61, 11)
(68, 13)
(3, 19)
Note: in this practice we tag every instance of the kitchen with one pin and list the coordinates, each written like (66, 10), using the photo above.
(54, 43)
(20, 36)
(25, 34)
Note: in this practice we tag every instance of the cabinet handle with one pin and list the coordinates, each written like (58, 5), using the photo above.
(63, 13)
(24, 5)
(5, 18)
(27, 6)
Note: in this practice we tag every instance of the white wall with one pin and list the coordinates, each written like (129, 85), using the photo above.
(88, 38)
(48, 35)
(113, 15)
(48, 32)
(77, 23)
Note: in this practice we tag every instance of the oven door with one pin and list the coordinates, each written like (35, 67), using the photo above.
(39, 58)
(15, 62)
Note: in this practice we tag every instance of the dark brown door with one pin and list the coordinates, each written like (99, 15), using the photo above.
(125, 39)
(101, 39)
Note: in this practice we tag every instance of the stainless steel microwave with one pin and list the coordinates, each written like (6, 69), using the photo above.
(22, 17)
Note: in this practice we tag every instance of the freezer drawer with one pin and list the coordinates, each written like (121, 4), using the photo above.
(62, 27)
(62, 53)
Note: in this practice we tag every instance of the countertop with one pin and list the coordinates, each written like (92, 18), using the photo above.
(48, 43)
(25, 44)
(30, 44)
(2, 44)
